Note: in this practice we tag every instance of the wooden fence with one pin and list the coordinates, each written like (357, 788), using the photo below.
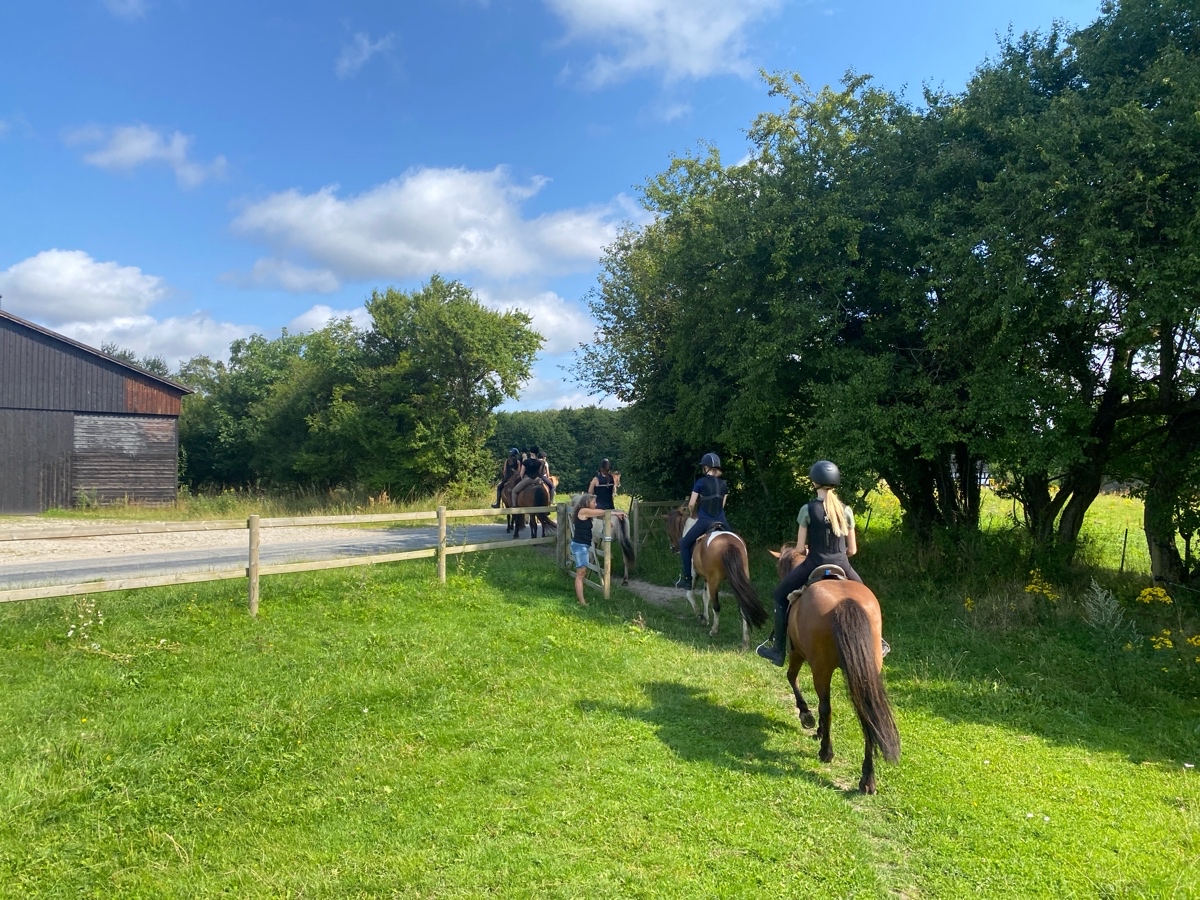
(642, 516)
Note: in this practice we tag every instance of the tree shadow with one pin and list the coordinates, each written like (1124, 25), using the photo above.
(697, 729)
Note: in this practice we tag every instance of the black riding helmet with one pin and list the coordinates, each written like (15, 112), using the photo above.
(823, 472)
(710, 461)
(513, 451)
(605, 465)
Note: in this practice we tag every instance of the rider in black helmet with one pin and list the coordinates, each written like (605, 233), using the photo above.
(604, 485)
(707, 504)
(826, 525)
(535, 468)
(513, 462)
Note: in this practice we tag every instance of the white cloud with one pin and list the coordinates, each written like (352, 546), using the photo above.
(319, 316)
(175, 339)
(358, 53)
(65, 285)
(683, 39)
(279, 273)
(563, 324)
(435, 220)
(126, 147)
(546, 390)
(127, 9)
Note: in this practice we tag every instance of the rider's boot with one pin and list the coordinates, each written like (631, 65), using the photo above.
(685, 582)
(778, 652)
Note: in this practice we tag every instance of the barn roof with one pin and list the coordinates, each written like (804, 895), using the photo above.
(62, 338)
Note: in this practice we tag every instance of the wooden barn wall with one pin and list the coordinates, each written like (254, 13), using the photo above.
(38, 372)
(125, 457)
(35, 460)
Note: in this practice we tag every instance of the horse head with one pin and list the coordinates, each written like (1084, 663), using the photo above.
(788, 557)
(676, 519)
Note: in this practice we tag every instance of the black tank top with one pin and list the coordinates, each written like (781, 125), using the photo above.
(533, 467)
(582, 533)
(604, 491)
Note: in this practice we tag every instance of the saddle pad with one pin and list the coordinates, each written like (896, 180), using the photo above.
(712, 534)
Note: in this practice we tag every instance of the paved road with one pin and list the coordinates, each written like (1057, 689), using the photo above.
(363, 543)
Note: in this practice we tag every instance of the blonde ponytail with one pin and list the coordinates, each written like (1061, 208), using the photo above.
(835, 512)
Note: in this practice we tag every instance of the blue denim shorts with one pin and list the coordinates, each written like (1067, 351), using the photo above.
(580, 552)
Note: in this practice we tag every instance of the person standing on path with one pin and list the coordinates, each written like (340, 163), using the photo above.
(583, 512)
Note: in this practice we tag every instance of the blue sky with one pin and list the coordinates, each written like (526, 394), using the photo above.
(180, 173)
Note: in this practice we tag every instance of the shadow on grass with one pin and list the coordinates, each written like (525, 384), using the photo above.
(696, 729)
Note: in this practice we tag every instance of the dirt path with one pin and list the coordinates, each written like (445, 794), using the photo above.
(657, 594)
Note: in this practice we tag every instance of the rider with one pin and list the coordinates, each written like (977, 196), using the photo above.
(826, 526)
(604, 486)
(541, 454)
(510, 465)
(535, 468)
(707, 504)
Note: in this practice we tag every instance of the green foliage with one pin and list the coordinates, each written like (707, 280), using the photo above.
(1003, 277)
(575, 440)
(404, 407)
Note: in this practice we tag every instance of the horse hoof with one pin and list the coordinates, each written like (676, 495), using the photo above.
(867, 786)
(807, 720)
(825, 756)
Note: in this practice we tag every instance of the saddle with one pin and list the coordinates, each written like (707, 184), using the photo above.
(715, 527)
(822, 573)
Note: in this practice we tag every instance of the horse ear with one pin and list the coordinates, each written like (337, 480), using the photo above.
(774, 553)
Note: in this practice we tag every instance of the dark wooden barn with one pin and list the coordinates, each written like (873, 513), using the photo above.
(74, 423)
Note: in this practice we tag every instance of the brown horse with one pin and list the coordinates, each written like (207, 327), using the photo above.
(721, 556)
(534, 495)
(832, 624)
(676, 526)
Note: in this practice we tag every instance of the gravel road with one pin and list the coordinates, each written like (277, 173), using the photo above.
(25, 563)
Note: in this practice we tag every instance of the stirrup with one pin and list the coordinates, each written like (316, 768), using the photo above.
(771, 655)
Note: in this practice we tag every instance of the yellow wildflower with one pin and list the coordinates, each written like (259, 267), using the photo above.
(1039, 585)
(969, 606)
(1154, 595)
(1194, 640)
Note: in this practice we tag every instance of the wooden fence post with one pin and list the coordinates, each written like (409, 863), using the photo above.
(441, 547)
(564, 535)
(635, 521)
(252, 568)
(608, 536)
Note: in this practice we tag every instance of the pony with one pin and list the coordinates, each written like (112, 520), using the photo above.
(836, 623)
(677, 520)
(534, 495)
(717, 557)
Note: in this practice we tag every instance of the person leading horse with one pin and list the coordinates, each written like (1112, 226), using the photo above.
(707, 504)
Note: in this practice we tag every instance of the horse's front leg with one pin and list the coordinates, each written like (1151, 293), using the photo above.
(691, 599)
(795, 662)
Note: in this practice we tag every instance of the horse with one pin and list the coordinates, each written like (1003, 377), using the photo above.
(620, 529)
(534, 495)
(721, 556)
(836, 623)
(677, 520)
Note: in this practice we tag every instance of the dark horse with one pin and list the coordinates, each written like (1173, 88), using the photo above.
(835, 623)
(717, 557)
(534, 495)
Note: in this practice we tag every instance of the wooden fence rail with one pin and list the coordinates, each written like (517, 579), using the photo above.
(600, 562)
(254, 570)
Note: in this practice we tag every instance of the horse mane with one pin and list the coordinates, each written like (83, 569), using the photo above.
(790, 556)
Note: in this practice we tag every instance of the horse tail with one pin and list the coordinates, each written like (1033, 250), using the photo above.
(627, 547)
(856, 647)
(737, 571)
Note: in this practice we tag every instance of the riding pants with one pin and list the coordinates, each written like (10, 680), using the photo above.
(798, 577)
(688, 541)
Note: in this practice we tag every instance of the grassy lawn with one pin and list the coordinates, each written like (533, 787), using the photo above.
(374, 733)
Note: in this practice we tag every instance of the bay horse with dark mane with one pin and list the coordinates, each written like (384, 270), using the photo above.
(534, 495)
(717, 557)
(835, 623)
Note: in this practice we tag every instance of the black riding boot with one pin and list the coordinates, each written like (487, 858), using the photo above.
(777, 653)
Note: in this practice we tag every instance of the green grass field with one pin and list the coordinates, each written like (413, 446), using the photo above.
(376, 734)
